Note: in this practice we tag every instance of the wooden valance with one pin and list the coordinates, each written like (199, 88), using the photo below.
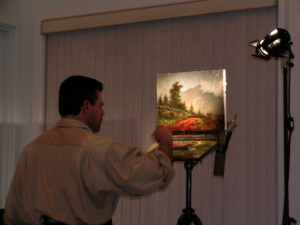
(185, 9)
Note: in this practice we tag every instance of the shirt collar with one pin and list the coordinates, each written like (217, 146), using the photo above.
(72, 123)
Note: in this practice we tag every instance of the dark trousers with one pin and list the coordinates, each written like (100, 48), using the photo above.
(1, 216)
(46, 221)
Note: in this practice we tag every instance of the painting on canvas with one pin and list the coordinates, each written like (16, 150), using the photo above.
(193, 106)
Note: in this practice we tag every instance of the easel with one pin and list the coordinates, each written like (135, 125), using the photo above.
(188, 216)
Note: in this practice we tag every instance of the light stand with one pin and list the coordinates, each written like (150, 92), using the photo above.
(277, 45)
(288, 126)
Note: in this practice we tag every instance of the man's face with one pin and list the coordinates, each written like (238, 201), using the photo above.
(96, 113)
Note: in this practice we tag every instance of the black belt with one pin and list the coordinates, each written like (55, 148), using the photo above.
(48, 221)
(108, 223)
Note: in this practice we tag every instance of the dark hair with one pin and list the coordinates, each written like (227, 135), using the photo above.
(74, 91)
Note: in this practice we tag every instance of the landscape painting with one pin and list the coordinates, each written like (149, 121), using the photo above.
(192, 106)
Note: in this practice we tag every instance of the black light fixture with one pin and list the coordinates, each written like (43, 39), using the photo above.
(277, 44)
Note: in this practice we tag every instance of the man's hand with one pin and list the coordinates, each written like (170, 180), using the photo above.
(164, 137)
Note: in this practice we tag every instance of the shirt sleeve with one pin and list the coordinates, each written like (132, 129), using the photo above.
(135, 173)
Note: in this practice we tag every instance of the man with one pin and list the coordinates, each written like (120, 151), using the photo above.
(70, 175)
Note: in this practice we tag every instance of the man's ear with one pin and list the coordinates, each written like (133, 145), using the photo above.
(86, 106)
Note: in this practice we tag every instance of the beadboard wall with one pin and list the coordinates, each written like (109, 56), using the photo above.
(127, 58)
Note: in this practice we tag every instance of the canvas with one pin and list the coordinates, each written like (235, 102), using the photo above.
(193, 106)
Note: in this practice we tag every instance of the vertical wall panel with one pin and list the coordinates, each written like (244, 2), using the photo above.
(127, 59)
(178, 184)
(250, 127)
(9, 114)
(218, 43)
(3, 129)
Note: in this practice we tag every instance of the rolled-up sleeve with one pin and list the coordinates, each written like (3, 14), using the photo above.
(135, 173)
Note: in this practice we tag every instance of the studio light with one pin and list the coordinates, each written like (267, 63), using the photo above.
(275, 45)
(278, 45)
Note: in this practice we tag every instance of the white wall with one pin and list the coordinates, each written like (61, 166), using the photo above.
(10, 12)
(10, 126)
(30, 69)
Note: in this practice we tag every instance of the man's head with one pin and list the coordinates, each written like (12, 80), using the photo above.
(81, 98)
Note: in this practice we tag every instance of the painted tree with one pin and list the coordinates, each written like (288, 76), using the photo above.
(175, 98)
(160, 101)
(199, 113)
(166, 100)
(192, 109)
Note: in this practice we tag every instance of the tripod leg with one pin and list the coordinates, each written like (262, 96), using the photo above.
(183, 220)
(196, 220)
(189, 219)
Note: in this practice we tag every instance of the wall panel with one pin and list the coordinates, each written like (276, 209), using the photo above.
(127, 59)
(10, 124)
